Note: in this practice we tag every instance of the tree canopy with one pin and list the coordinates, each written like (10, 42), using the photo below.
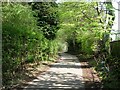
(38, 31)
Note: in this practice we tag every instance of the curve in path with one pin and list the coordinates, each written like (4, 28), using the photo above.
(65, 74)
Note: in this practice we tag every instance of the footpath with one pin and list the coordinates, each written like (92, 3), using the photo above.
(66, 73)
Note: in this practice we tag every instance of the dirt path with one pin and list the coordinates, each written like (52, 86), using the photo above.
(64, 74)
(90, 76)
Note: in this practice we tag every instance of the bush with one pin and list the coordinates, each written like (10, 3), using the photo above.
(22, 40)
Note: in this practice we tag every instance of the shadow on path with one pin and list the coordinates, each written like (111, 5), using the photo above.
(64, 74)
(54, 80)
(90, 76)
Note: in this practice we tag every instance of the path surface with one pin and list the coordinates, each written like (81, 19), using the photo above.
(65, 74)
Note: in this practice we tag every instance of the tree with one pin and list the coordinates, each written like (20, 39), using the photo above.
(22, 41)
(81, 23)
(46, 12)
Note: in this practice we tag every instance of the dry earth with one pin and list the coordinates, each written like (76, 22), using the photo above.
(67, 73)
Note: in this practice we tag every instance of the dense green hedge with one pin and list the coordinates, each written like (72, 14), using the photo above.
(22, 40)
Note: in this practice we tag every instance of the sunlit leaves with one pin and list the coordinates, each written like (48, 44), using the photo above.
(81, 22)
(22, 40)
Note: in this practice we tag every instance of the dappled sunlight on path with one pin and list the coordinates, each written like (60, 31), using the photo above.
(66, 73)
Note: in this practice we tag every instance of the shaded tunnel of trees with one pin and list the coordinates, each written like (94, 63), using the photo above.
(35, 32)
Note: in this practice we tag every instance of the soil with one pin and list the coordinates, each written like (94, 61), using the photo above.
(90, 76)
(30, 72)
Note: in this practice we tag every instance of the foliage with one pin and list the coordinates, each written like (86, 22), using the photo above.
(110, 78)
(22, 40)
(110, 75)
(31, 33)
(81, 24)
(90, 28)
(47, 18)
